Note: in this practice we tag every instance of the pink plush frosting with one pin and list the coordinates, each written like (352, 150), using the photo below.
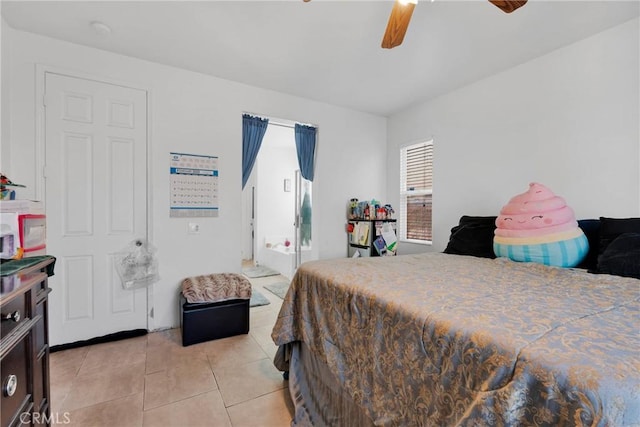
(537, 212)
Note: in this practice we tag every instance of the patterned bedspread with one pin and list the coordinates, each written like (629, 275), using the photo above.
(436, 339)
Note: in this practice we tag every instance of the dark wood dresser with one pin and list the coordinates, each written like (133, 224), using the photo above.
(24, 341)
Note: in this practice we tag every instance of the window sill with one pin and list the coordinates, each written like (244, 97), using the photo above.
(417, 242)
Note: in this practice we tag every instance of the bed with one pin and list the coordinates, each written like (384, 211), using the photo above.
(442, 340)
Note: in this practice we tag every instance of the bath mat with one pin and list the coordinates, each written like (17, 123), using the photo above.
(261, 271)
(258, 299)
(279, 288)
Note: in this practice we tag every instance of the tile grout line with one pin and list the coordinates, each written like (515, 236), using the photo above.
(257, 397)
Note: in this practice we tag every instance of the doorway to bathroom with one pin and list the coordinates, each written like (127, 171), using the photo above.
(277, 204)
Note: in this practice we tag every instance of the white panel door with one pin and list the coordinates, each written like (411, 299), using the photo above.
(96, 203)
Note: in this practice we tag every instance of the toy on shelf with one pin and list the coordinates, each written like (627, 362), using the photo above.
(388, 211)
(7, 193)
(370, 210)
(353, 207)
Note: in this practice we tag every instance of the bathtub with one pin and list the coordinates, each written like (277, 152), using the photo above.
(282, 259)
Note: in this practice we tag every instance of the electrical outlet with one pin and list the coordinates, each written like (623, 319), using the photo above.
(194, 228)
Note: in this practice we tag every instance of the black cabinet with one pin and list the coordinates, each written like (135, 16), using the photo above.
(24, 344)
(363, 233)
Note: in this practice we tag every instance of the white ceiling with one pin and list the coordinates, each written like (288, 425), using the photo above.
(327, 50)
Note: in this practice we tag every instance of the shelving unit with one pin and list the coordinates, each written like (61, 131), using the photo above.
(361, 242)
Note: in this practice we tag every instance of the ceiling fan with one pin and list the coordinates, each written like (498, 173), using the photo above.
(403, 9)
(401, 15)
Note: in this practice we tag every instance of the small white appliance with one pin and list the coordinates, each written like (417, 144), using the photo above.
(8, 241)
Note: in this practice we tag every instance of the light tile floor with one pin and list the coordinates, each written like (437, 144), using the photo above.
(153, 381)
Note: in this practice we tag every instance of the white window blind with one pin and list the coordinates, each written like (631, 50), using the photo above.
(416, 190)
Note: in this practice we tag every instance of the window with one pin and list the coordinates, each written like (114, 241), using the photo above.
(416, 189)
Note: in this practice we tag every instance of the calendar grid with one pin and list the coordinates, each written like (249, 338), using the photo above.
(193, 185)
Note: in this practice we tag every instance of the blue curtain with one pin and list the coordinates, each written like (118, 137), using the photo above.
(306, 147)
(253, 130)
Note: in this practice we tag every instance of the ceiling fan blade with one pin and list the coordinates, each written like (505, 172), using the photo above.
(397, 25)
(508, 6)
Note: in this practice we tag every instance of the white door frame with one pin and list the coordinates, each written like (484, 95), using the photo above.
(40, 152)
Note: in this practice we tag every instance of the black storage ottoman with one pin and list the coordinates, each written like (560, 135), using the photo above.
(209, 321)
(214, 306)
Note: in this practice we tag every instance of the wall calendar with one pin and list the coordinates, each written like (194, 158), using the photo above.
(193, 186)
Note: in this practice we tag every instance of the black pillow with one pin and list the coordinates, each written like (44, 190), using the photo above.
(610, 228)
(473, 236)
(622, 256)
(591, 229)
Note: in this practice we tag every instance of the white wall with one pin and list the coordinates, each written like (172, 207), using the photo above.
(248, 251)
(569, 119)
(195, 113)
(5, 91)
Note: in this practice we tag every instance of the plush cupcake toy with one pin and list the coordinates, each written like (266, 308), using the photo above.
(538, 226)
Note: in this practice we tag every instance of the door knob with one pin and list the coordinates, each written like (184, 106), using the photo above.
(10, 385)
